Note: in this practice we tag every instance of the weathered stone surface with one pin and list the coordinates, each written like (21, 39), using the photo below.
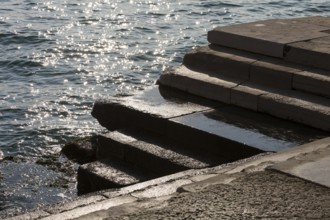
(274, 73)
(103, 205)
(236, 133)
(246, 95)
(148, 109)
(316, 81)
(31, 215)
(152, 152)
(299, 107)
(265, 37)
(82, 150)
(313, 166)
(316, 20)
(162, 190)
(222, 62)
(314, 52)
(198, 84)
(109, 173)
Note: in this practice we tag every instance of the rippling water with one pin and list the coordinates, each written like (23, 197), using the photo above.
(58, 57)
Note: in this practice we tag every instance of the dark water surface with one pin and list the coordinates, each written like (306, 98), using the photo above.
(58, 57)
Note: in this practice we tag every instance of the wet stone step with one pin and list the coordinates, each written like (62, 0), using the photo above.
(148, 110)
(236, 132)
(109, 173)
(152, 152)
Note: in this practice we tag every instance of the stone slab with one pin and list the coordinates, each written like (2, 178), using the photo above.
(30, 215)
(247, 94)
(151, 152)
(242, 130)
(314, 52)
(265, 37)
(103, 205)
(162, 190)
(316, 81)
(147, 109)
(300, 107)
(198, 84)
(314, 166)
(316, 20)
(222, 62)
(109, 173)
(274, 73)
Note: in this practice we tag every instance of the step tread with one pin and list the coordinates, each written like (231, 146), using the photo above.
(109, 173)
(253, 96)
(222, 62)
(134, 142)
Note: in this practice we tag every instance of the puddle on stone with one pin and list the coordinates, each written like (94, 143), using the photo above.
(250, 128)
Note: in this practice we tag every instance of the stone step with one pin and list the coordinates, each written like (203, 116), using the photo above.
(109, 173)
(152, 152)
(287, 104)
(240, 67)
(286, 39)
(209, 129)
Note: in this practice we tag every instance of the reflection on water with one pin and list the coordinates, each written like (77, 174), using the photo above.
(57, 57)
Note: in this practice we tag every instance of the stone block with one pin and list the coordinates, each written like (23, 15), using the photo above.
(198, 84)
(316, 20)
(315, 81)
(313, 166)
(299, 107)
(148, 110)
(246, 95)
(222, 62)
(265, 37)
(164, 189)
(314, 52)
(81, 211)
(274, 73)
(109, 173)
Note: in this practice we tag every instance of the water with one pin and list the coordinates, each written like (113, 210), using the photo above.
(58, 57)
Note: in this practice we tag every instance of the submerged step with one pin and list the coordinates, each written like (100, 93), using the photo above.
(297, 106)
(151, 152)
(109, 173)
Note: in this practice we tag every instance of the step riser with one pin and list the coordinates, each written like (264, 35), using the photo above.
(226, 149)
(115, 117)
(262, 70)
(128, 153)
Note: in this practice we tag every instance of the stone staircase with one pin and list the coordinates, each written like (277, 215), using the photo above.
(224, 103)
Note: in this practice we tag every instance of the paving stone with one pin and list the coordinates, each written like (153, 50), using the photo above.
(299, 107)
(313, 166)
(314, 52)
(30, 215)
(78, 202)
(103, 205)
(315, 81)
(162, 190)
(265, 37)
